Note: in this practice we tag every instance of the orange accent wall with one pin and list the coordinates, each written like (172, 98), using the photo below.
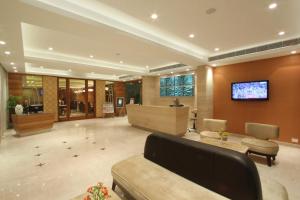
(283, 107)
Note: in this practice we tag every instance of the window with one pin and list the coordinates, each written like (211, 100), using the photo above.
(179, 85)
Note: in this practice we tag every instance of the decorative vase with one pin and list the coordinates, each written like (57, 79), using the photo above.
(19, 109)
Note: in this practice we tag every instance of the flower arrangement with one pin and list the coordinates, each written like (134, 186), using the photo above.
(223, 134)
(97, 192)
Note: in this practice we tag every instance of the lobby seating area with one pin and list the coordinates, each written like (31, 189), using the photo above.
(225, 172)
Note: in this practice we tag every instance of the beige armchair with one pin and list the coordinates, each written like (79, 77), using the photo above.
(259, 142)
(211, 127)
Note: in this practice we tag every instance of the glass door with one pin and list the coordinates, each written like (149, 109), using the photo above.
(91, 98)
(62, 99)
(76, 99)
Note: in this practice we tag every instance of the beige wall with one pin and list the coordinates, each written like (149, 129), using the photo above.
(151, 95)
(50, 95)
(100, 97)
(204, 94)
(3, 100)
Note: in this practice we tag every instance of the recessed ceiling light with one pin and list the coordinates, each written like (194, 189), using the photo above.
(50, 48)
(14, 67)
(12, 63)
(121, 62)
(217, 49)
(193, 73)
(191, 35)
(214, 65)
(7, 52)
(293, 52)
(154, 16)
(91, 56)
(272, 6)
(281, 33)
(171, 72)
(2, 42)
(187, 70)
(15, 70)
(69, 70)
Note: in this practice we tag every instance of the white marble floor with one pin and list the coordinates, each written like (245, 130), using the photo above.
(78, 154)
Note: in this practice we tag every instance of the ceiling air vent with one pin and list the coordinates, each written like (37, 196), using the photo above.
(257, 49)
(126, 76)
(167, 67)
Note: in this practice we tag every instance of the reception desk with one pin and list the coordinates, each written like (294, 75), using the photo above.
(164, 119)
(33, 123)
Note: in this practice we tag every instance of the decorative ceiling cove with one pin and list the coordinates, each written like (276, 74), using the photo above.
(124, 40)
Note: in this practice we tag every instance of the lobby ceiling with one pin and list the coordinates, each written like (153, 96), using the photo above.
(107, 39)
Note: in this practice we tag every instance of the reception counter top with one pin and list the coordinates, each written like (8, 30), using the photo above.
(33, 123)
(164, 119)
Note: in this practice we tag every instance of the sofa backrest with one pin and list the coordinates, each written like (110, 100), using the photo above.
(223, 171)
(214, 125)
(262, 131)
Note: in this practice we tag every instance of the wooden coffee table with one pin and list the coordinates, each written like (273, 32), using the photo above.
(226, 144)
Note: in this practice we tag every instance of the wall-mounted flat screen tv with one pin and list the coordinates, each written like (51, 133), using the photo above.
(252, 90)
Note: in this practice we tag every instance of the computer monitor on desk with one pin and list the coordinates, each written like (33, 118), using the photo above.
(36, 108)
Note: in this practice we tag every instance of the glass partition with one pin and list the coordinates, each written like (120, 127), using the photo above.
(32, 93)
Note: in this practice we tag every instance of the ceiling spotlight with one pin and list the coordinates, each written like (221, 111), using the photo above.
(293, 52)
(281, 33)
(272, 6)
(15, 71)
(121, 62)
(193, 73)
(147, 67)
(217, 49)
(12, 63)
(191, 35)
(172, 72)
(7, 52)
(2, 42)
(214, 65)
(50, 48)
(91, 56)
(14, 67)
(154, 16)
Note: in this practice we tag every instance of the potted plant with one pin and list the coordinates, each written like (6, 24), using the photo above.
(11, 104)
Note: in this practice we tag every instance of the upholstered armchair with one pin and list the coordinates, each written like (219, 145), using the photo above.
(259, 142)
(211, 128)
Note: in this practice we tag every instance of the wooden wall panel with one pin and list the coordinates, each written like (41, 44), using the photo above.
(100, 97)
(119, 91)
(15, 84)
(283, 107)
(50, 95)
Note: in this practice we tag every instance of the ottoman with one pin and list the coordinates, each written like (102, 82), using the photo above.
(262, 147)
